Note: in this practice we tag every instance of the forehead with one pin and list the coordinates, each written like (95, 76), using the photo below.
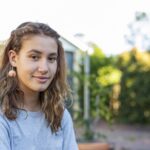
(39, 42)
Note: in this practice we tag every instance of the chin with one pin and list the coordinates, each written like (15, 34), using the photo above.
(42, 89)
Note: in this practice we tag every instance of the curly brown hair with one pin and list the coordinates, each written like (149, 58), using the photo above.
(52, 100)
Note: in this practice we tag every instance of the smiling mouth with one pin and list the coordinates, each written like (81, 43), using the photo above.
(41, 79)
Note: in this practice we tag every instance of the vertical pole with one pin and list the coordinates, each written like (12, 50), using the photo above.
(86, 86)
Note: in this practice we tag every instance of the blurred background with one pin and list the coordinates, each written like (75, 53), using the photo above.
(107, 47)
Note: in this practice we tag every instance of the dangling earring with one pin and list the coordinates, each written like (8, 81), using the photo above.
(12, 73)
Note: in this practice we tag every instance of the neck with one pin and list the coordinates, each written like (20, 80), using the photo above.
(31, 102)
(31, 106)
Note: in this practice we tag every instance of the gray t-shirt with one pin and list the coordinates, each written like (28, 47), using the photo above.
(30, 132)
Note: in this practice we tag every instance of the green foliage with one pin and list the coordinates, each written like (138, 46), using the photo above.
(135, 85)
(119, 86)
(97, 59)
(108, 75)
(104, 75)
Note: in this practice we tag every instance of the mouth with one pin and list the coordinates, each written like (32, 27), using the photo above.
(41, 79)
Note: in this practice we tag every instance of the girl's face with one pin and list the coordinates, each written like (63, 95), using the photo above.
(36, 63)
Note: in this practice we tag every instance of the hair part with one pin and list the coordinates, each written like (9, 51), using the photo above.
(52, 100)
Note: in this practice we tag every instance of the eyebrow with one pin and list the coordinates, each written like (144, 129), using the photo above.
(39, 52)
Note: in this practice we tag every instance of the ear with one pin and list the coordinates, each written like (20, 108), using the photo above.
(12, 57)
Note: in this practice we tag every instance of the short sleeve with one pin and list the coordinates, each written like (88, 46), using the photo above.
(4, 134)
(69, 140)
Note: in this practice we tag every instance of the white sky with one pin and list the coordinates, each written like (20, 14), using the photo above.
(102, 21)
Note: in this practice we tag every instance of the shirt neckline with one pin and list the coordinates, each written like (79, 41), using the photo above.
(30, 113)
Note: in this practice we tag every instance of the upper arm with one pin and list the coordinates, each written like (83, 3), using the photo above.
(4, 135)
(69, 140)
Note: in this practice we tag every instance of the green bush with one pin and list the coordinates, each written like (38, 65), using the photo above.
(135, 86)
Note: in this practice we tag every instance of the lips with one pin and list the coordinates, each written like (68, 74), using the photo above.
(41, 79)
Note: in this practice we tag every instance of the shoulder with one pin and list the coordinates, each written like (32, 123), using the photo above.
(69, 140)
(2, 117)
(66, 119)
(3, 120)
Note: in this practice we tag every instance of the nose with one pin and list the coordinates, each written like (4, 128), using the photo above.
(43, 66)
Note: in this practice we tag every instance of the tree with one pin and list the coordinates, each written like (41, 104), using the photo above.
(139, 32)
(135, 84)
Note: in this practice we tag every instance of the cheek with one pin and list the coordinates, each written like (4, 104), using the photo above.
(22, 73)
(22, 65)
(54, 69)
(25, 69)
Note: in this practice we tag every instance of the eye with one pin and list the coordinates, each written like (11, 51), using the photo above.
(35, 57)
(52, 59)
